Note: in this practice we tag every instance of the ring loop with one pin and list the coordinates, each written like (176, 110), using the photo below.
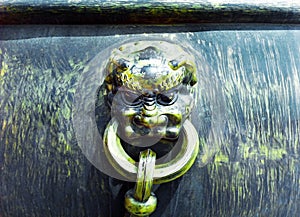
(163, 172)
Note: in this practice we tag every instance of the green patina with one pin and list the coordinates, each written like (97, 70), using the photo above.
(143, 12)
(255, 171)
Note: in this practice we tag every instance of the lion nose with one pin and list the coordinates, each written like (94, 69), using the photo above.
(148, 116)
(150, 122)
(149, 106)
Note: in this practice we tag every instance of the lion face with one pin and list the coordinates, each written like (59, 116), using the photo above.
(150, 90)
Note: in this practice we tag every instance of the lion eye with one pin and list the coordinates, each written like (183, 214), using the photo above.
(131, 99)
(167, 98)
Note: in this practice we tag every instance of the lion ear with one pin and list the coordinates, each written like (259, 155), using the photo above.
(123, 64)
(193, 80)
(190, 77)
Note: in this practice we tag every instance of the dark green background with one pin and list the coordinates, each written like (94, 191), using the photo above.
(256, 171)
(148, 12)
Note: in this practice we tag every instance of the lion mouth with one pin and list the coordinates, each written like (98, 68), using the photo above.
(162, 148)
(146, 136)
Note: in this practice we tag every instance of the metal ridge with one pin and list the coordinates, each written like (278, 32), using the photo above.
(147, 12)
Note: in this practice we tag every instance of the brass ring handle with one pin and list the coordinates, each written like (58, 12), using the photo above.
(142, 201)
(163, 172)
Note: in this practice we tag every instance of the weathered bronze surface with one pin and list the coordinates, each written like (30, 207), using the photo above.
(256, 171)
(148, 12)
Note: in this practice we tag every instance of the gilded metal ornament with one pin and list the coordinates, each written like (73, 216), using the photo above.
(150, 90)
(142, 201)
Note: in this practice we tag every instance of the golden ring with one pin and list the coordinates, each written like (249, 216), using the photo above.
(163, 172)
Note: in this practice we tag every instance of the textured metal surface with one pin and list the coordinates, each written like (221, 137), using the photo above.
(148, 12)
(256, 172)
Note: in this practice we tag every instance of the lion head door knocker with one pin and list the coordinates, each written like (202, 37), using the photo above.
(150, 87)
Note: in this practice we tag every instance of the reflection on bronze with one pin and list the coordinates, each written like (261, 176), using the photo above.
(150, 90)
